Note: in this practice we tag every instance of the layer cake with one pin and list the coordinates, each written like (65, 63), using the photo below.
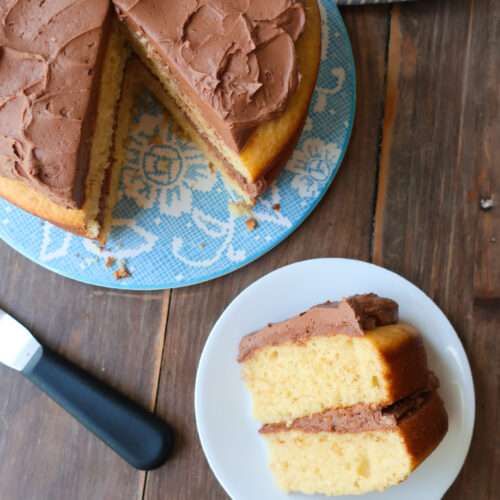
(236, 75)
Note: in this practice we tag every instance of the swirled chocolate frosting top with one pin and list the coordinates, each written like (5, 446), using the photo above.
(234, 58)
(49, 68)
(351, 316)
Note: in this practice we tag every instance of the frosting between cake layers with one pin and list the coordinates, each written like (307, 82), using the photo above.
(49, 53)
(236, 58)
(350, 316)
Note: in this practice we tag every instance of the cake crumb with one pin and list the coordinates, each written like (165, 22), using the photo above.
(211, 167)
(202, 245)
(91, 260)
(84, 315)
(101, 248)
(276, 207)
(122, 272)
(251, 224)
(180, 132)
(156, 140)
(110, 262)
(239, 209)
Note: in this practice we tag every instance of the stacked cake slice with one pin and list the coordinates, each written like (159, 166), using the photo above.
(345, 397)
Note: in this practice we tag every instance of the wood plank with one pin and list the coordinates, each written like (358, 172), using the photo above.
(344, 216)
(117, 336)
(439, 155)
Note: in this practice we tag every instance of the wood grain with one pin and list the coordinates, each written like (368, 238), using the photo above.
(424, 151)
(439, 156)
(344, 216)
(117, 336)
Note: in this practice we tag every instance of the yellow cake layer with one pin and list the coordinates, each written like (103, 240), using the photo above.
(295, 379)
(337, 464)
(83, 221)
(122, 127)
(269, 139)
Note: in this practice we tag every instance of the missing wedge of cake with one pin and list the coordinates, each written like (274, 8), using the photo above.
(237, 76)
(61, 66)
(345, 397)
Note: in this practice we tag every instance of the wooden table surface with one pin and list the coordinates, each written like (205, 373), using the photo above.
(423, 152)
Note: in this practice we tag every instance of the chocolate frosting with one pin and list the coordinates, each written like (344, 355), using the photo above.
(350, 316)
(234, 58)
(49, 50)
(359, 417)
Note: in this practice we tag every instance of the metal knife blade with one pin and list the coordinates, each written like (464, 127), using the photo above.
(17, 346)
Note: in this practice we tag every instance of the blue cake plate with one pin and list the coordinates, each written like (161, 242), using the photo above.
(172, 222)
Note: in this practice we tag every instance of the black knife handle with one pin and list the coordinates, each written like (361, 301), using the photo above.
(139, 437)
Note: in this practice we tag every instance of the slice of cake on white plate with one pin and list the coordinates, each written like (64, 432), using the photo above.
(345, 396)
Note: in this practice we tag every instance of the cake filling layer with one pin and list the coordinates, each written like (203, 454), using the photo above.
(360, 417)
(350, 316)
(235, 60)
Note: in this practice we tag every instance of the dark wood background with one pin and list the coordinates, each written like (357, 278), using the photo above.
(423, 152)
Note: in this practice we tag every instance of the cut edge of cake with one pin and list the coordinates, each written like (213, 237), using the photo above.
(125, 106)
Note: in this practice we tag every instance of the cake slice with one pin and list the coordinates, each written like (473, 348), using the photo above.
(61, 65)
(237, 76)
(345, 396)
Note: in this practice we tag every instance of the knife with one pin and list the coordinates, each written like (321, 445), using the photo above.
(138, 436)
